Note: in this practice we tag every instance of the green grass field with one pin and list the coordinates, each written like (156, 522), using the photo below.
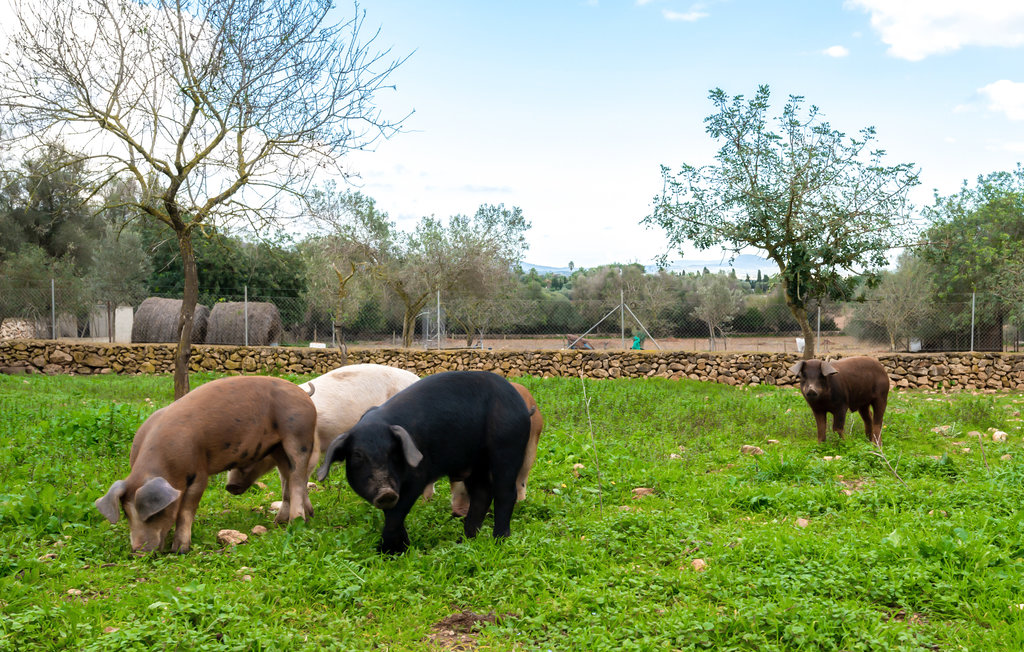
(935, 563)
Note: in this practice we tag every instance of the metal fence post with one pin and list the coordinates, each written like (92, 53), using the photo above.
(246, 304)
(972, 322)
(53, 309)
(622, 314)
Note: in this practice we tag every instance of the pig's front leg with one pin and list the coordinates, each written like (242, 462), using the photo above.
(187, 514)
(394, 538)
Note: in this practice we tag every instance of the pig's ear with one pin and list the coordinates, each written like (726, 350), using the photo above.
(336, 452)
(412, 454)
(827, 369)
(110, 504)
(153, 496)
(795, 369)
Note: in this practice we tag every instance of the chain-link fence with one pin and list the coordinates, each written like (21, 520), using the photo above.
(756, 324)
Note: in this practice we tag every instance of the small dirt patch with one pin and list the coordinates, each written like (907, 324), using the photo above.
(852, 485)
(914, 617)
(457, 631)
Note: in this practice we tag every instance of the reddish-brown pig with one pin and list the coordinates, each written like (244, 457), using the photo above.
(218, 426)
(859, 383)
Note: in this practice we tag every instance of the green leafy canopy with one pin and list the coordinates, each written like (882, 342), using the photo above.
(820, 204)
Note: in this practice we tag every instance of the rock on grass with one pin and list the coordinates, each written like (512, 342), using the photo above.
(231, 537)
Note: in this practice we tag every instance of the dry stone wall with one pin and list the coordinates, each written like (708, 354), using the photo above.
(977, 371)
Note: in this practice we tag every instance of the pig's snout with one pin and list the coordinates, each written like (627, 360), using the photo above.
(811, 392)
(236, 488)
(385, 499)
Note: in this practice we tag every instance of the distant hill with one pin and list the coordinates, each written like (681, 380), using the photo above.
(543, 269)
(744, 264)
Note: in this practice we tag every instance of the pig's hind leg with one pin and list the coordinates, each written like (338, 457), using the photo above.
(478, 485)
(504, 491)
(878, 411)
(292, 461)
(869, 429)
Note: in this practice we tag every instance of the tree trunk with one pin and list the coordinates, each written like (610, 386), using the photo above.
(800, 314)
(412, 310)
(187, 315)
(408, 326)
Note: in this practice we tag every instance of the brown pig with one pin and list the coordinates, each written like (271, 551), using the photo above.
(859, 383)
(342, 396)
(220, 425)
(460, 497)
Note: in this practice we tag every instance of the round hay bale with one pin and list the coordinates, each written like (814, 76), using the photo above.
(156, 320)
(227, 324)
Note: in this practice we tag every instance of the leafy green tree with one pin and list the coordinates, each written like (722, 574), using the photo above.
(900, 302)
(975, 243)
(719, 299)
(120, 271)
(221, 111)
(464, 254)
(45, 204)
(975, 235)
(487, 247)
(819, 204)
(25, 277)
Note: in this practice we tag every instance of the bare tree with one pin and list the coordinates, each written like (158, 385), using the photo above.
(220, 110)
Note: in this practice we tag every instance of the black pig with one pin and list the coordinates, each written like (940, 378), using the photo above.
(471, 426)
(858, 383)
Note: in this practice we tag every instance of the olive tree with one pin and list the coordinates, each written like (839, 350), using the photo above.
(219, 110)
(901, 301)
(975, 243)
(718, 300)
(464, 256)
(819, 204)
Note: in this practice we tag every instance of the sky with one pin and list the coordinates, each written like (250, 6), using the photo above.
(568, 108)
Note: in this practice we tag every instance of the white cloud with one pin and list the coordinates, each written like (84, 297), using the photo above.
(915, 29)
(836, 51)
(689, 16)
(1005, 96)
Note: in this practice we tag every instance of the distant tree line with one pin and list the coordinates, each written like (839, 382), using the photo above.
(360, 273)
(357, 271)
